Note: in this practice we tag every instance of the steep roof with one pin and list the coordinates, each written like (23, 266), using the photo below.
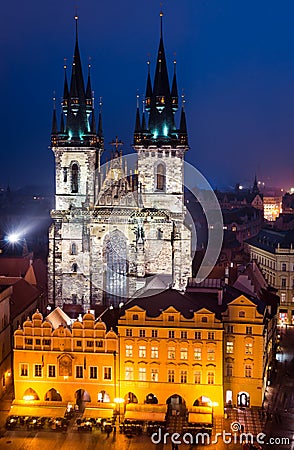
(23, 295)
(270, 240)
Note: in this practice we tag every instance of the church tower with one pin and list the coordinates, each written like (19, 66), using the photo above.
(75, 142)
(77, 147)
(161, 147)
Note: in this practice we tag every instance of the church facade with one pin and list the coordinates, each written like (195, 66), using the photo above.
(116, 228)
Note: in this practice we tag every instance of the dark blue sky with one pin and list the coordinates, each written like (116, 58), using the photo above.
(235, 62)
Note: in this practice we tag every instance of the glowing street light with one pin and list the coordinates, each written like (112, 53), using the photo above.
(13, 238)
(118, 401)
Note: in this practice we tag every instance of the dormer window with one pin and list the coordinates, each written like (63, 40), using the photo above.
(171, 318)
(242, 314)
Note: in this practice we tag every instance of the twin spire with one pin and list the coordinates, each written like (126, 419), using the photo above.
(161, 103)
(77, 123)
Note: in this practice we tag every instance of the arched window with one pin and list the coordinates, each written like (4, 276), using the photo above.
(115, 256)
(160, 177)
(74, 178)
(73, 248)
(74, 267)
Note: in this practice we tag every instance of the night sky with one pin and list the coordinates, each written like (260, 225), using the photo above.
(235, 62)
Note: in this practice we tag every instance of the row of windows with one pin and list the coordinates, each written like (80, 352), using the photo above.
(183, 378)
(171, 352)
(230, 329)
(248, 370)
(284, 283)
(283, 296)
(284, 267)
(52, 372)
(184, 352)
(171, 334)
(171, 375)
(248, 348)
(78, 343)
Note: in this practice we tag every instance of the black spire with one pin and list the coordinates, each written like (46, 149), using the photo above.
(77, 120)
(65, 99)
(183, 134)
(138, 121)
(77, 106)
(89, 103)
(62, 123)
(255, 189)
(93, 122)
(138, 129)
(174, 91)
(161, 119)
(143, 126)
(100, 128)
(161, 102)
(148, 94)
(54, 119)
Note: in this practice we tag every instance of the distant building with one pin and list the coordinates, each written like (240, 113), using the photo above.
(288, 203)
(272, 207)
(241, 197)
(244, 222)
(274, 253)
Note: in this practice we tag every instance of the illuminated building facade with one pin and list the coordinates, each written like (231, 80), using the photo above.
(65, 364)
(274, 253)
(112, 228)
(207, 348)
(272, 207)
(211, 345)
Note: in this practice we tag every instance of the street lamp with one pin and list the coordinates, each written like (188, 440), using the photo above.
(118, 401)
(13, 238)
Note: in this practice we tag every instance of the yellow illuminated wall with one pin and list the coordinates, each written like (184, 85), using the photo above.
(66, 361)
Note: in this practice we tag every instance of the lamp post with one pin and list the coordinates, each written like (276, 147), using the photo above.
(118, 401)
(213, 405)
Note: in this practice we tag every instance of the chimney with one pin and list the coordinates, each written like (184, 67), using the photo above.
(227, 273)
(220, 296)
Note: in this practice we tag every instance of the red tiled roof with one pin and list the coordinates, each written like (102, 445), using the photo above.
(23, 295)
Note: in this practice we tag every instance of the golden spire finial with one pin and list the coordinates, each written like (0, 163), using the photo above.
(76, 19)
(161, 15)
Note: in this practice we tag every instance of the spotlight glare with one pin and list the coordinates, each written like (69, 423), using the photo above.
(13, 238)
